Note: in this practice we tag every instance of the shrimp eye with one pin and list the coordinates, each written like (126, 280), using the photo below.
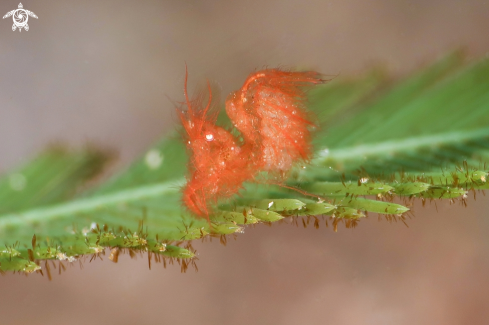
(209, 137)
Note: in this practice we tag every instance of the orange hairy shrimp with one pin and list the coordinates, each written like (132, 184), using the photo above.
(269, 111)
(218, 165)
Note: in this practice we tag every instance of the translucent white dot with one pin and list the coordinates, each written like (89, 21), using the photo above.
(153, 159)
(209, 137)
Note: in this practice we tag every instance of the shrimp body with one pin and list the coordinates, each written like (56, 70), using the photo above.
(217, 168)
(269, 111)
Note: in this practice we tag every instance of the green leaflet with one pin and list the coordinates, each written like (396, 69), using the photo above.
(332, 189)
(442, 192)
(279, 205)
(410, 188)
(457, 177)
(18, 264)
(262, 215)
(373, 206)
(314, 209)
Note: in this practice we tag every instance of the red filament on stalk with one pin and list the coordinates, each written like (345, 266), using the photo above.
(269, 111)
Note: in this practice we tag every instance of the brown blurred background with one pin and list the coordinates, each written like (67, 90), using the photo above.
(101, 71)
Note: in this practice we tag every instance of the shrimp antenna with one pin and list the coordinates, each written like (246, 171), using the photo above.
(185, 87)
(210, 98)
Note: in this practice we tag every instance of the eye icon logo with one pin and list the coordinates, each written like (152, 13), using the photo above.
(20, 17)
